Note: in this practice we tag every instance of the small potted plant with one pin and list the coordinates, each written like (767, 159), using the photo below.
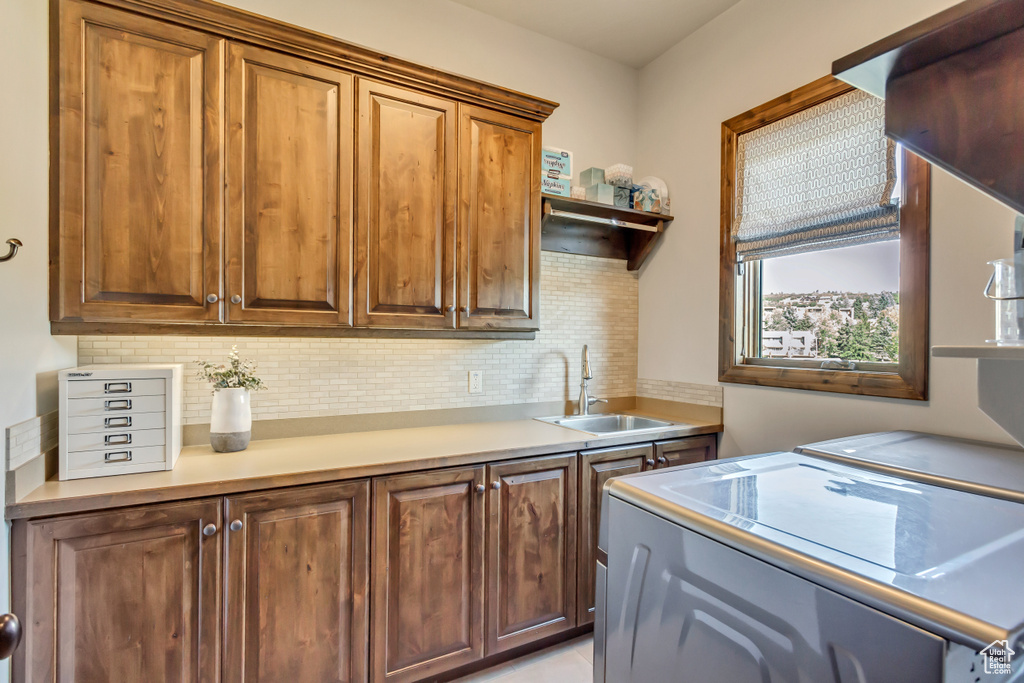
(231, 416)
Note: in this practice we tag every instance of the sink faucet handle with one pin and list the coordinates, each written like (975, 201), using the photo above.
(592, 400)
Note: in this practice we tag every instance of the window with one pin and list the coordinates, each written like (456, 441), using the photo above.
(824, 248)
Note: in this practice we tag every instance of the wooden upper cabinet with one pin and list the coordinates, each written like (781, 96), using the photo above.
(136, 170)
(427, 582)
(289, 189)
(405, 237)
(126, 595)
(531, 550)
(499, 220)
(210, 175)
(597, 467)
(297, 585)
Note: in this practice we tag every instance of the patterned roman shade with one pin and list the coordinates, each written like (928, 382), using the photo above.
(819, 179)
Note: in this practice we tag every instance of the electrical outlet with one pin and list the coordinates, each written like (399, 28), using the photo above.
(476, 381)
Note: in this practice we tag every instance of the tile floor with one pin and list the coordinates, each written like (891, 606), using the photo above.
(569, 662)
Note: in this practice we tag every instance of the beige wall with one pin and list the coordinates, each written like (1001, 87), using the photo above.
(597, 116)
(584, 300)
(29, 357)
(757, 50)
(597, 121)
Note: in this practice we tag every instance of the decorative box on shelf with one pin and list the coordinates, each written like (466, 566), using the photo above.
(119, 419)
(554, 184)
(556, 160)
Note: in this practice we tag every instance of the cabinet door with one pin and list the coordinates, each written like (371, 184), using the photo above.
(427, 577)
(531, 550)
(297, 585)
(289, 175)
(685, 451)
(499, 222)
(127, 595)
(405, 238)
(596, 468)
(137, 177)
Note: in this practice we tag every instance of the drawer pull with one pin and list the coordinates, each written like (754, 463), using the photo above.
(118, 404)
(121, 421)
(117, 456)
(117, 387)
(117, 439)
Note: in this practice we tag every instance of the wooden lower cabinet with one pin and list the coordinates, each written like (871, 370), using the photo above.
(685, 451)
(596, 468)
(125, 595)
(427, 583)
(296, 596)
(405, 578)
(531, 550)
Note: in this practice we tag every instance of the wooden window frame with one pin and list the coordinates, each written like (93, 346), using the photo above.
(909, 380)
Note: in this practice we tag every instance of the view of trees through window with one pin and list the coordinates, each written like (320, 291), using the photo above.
(840, 304)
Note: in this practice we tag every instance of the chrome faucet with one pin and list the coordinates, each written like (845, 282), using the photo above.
(586, 400)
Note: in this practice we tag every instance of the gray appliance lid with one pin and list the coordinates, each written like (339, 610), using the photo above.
(986, 468)
(946, 560)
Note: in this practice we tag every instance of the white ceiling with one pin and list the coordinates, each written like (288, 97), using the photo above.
(632, 33)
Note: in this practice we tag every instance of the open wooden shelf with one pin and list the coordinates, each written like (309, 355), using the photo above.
(576, 226)
(980, 351)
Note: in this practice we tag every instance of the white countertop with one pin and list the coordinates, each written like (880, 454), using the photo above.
(303, 460)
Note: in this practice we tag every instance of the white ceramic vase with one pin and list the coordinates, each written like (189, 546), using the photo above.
(230, 420)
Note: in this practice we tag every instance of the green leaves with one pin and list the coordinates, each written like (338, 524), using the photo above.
(239, 373)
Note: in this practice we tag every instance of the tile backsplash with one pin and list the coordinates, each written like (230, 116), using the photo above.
(584, 300)
(681, 392)
(26, 440)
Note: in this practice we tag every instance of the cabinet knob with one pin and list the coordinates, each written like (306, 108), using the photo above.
(650, 462)
(480, 488)
(236, 525)
(209, 530)
(212, 298)
(662, 460)
(10, 635)
(496, 485)
(236, 299)
(465, 309)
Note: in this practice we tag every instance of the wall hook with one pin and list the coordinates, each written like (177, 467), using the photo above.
(14, 244)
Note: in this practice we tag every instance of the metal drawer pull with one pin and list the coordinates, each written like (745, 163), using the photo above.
(118, 456)
(117, 387)
(122, 421)
(236, 525)
(209, 530)
(662, 460)
(117, 439)
(118, 404)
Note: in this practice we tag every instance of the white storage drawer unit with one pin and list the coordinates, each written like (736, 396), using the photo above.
(119, 419)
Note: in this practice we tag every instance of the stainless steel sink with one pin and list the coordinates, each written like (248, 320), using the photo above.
(609, 424)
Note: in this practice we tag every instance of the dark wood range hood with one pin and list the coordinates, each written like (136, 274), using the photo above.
(954, 92)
